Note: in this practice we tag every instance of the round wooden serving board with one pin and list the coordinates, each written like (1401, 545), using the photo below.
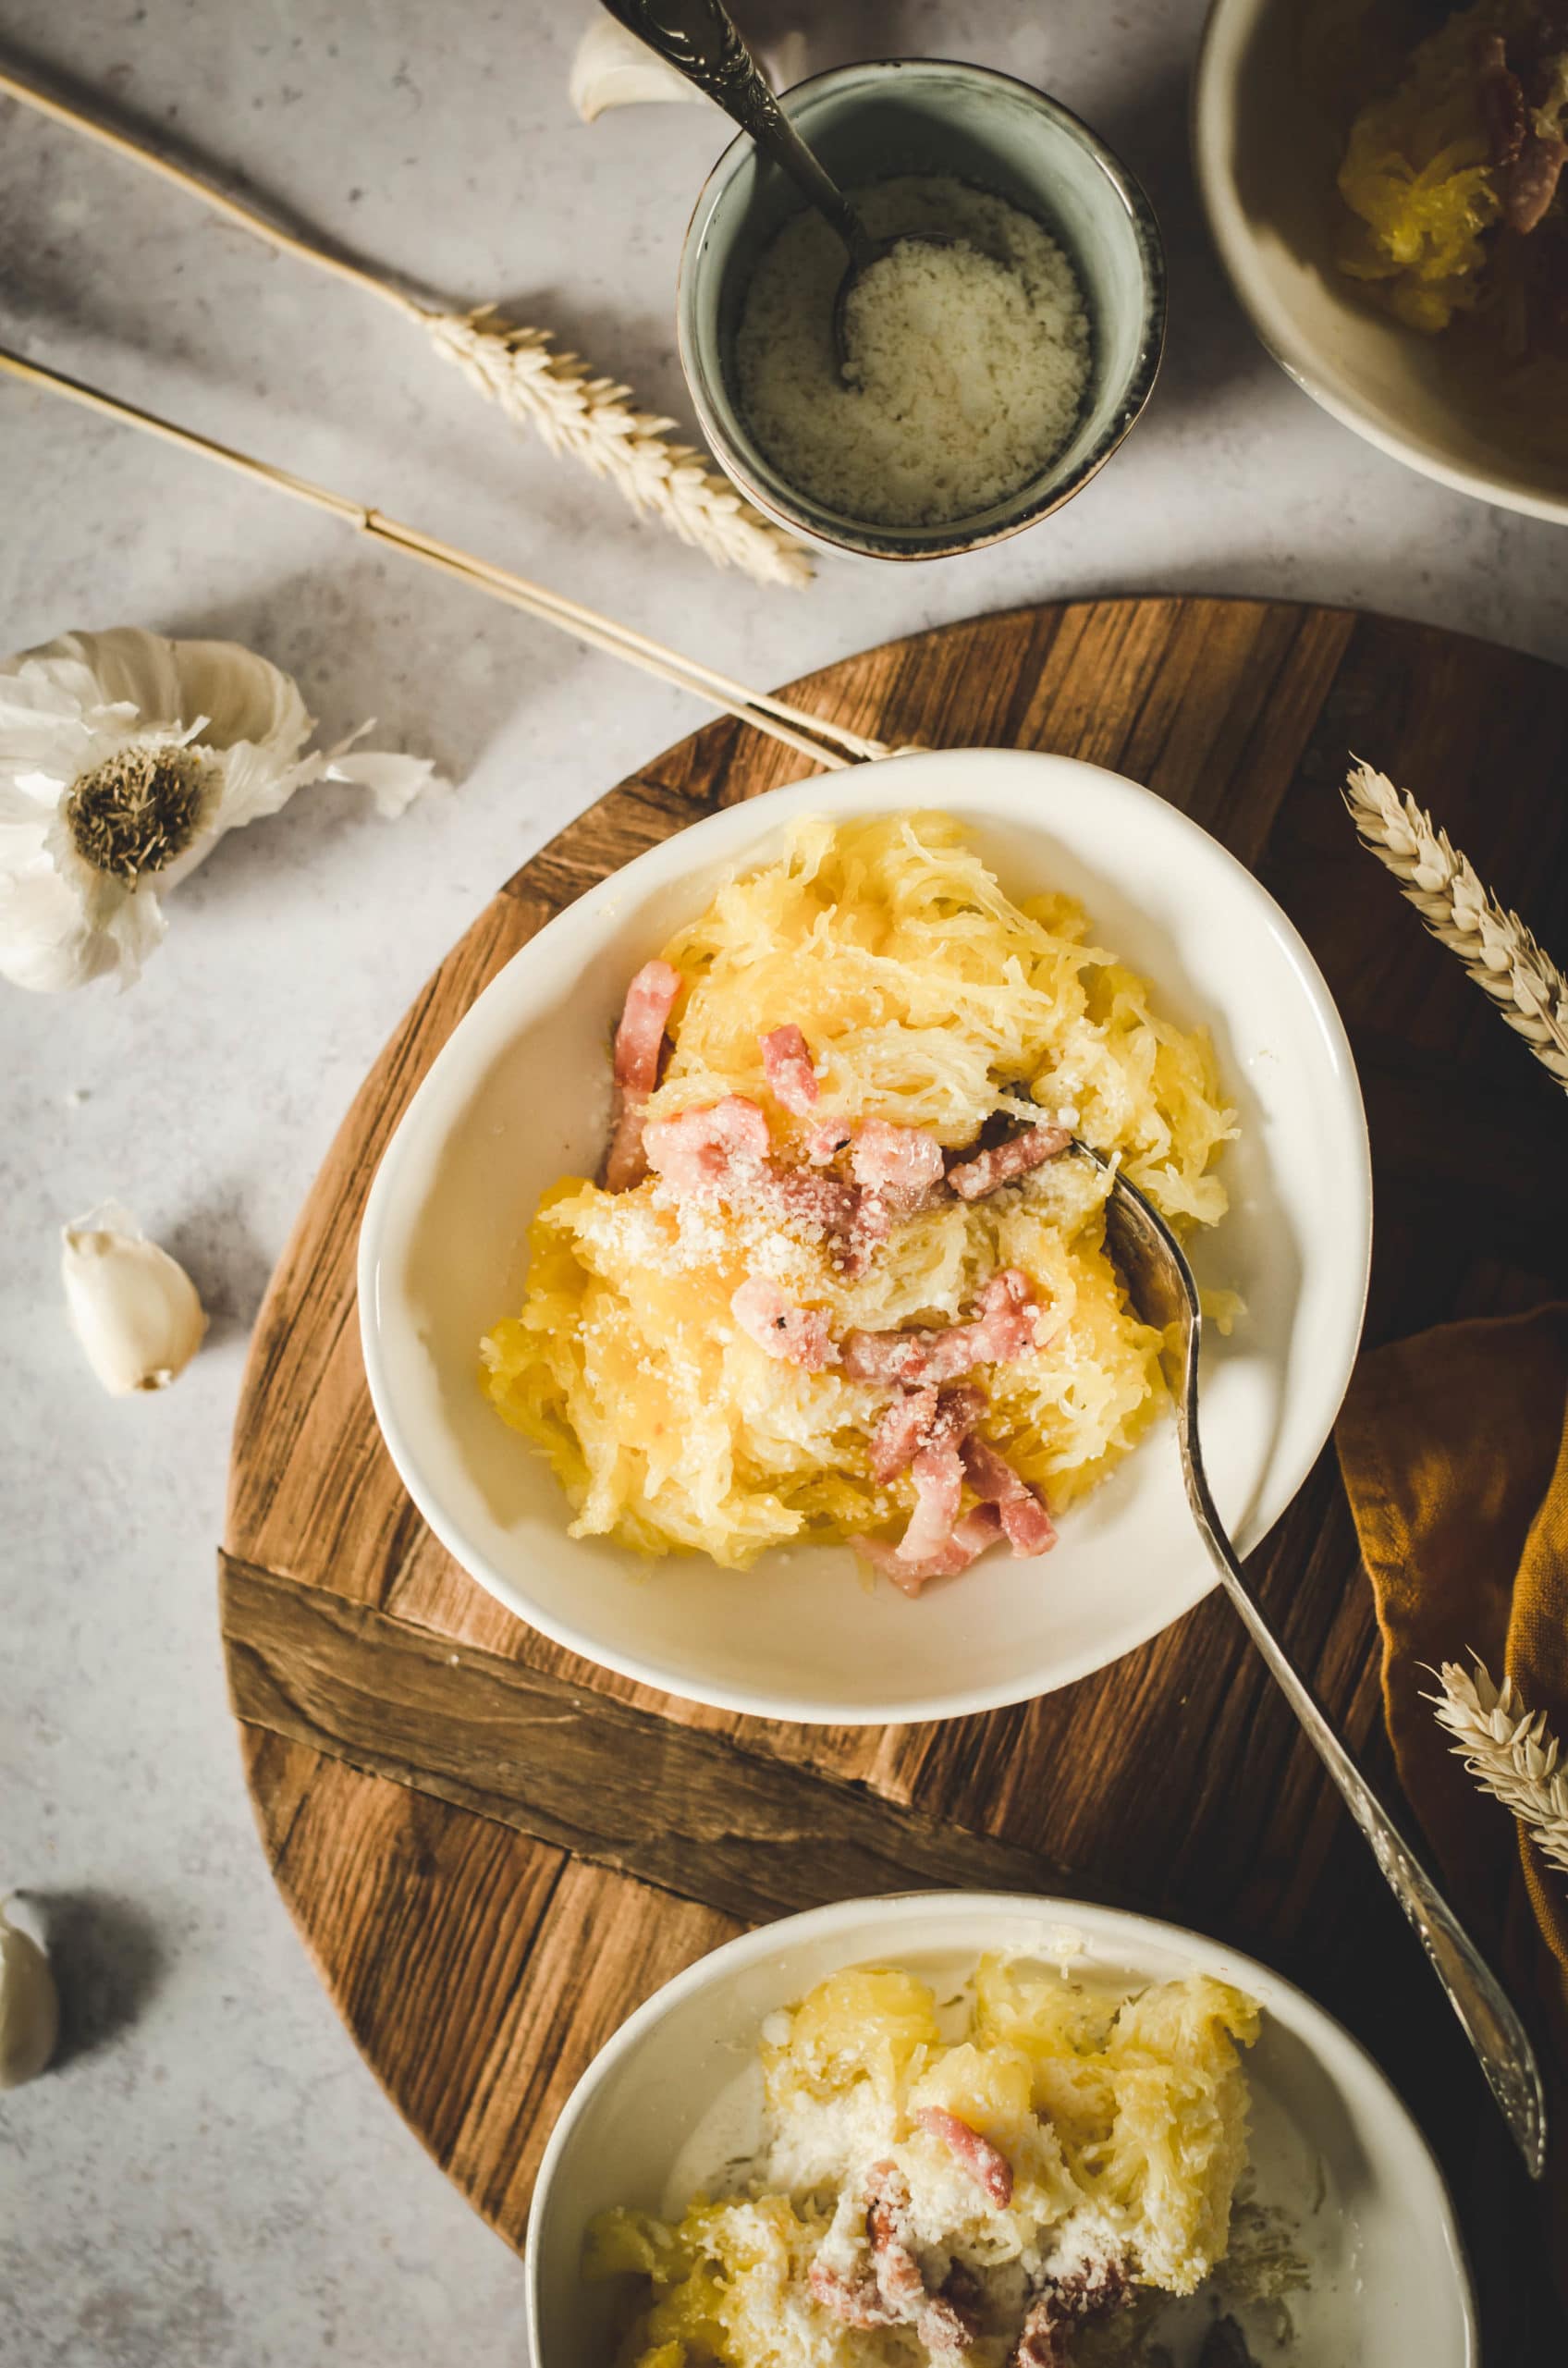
(494, 1851)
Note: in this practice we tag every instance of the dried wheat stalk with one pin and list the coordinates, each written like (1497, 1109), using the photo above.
(810, 735)
(1510, 1751)
(590, 419)
(1496, 948)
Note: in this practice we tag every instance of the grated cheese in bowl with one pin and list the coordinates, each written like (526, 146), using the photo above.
(966, 365)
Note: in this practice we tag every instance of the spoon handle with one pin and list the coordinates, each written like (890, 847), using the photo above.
(1501, 2045)
(701, 39)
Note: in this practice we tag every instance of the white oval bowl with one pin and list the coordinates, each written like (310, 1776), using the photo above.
(1402, 2293)
(1266, 160)
(519, 1096)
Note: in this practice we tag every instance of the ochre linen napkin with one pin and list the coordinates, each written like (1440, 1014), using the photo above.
(1454, 1450)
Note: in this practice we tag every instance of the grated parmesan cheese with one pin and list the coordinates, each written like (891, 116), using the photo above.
(965, 365)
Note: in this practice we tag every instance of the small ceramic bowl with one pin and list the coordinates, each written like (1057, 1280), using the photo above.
(1332, 2148)
(1266, 159)
(519, 1096)
(870, 123)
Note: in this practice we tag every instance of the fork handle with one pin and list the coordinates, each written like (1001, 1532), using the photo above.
(1501, 2044)
(701, 39)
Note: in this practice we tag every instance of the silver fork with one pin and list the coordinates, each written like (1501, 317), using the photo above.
(1162, 1292)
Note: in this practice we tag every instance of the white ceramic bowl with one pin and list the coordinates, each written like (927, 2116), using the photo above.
(1266, 160)
(1390, 2282)
(519, 1096)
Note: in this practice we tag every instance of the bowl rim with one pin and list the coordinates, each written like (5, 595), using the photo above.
(805, 1708)
(765, 1940)
(944, 541)
(1272, 322)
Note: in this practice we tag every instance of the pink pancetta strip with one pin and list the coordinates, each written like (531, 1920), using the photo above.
(797, 1335)
(1005, 1162)
(1529, 184)
(827, 1139)
(989, 2166)
(851, 2298)
(922, 1419)
(643, 1018)
(1025, 1521)
(937, 1475)
(787, 1064)
(901, 2283)
(901, 1164)
(639, 1046)
(720, 1153)
(704, 1152)
(1005, 1329)
(971, 1536)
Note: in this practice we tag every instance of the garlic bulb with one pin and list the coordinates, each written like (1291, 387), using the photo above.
(134, 1308)
(124, 757)
(610, 67)
(29, 2007)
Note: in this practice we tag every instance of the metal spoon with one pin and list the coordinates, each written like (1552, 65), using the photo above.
(701, 39)
(1162, 1292)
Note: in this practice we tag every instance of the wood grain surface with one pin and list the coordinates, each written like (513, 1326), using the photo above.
(495, 1850)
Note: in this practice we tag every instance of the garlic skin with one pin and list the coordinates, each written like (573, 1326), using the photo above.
(124, 757)
(29, 2007)
(134, 1309)
(610, 67)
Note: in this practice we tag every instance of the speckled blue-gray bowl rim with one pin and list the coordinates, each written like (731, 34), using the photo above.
(945, 542)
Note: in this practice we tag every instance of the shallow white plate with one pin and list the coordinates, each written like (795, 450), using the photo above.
(519, 1096)
(1266, 160)
(1389, 2285)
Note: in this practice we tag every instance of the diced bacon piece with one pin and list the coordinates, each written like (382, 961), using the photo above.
(625, 1161)
(900, 1163)
(1009, 1322)
(700, 1151)
(1005, 1329)
(798, 1335)
(989, 2166)
(854, 2298)
(901, 2284)
(1044, 2339)
(972, 1178)
(1025, 1521)
(826, 1140)
(639, 1046)
(969, 1538)
(870, 1226)
(820, 1204)
(889, 1356)
(922, 1419)
(937, 1475)
(900, 1434)
(1501, 95)
(643, 1018)
(1529, 184)
(788, 1066)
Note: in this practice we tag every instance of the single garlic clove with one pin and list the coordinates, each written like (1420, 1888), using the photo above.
(134, 1308)
(613, 68)
(29, 2007)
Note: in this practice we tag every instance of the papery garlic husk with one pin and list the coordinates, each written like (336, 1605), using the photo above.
(610, 67)
(29, 2007)
(134, 1309)
(124, 758)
